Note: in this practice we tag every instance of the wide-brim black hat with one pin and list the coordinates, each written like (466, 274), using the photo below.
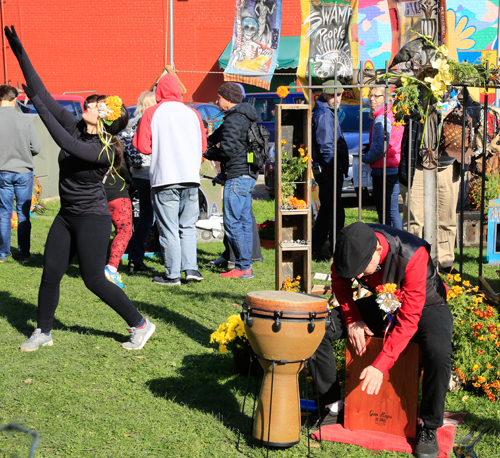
(354, 249)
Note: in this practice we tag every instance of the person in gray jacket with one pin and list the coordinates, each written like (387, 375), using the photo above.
(18, 144)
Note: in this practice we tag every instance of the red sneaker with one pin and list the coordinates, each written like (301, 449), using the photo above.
(235, 273)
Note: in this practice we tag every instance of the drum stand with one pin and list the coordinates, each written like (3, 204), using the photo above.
(273, 364)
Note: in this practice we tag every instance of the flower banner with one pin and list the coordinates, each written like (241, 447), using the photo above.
(256, 38)
(326, 35)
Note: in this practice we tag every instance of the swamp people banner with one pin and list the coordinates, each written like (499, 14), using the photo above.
(326, 34)
(255, 44)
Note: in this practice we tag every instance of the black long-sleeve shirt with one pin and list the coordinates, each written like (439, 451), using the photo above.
(82, 161)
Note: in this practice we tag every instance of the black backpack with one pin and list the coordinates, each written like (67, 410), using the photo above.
(258, 143)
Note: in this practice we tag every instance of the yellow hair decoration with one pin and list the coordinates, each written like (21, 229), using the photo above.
(110, 109)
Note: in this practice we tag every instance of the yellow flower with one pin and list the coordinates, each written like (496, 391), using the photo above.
(301, 151)
(443, 50)
(223, 349)
(282, 92)
(475, 367)
(441, 65)
(466, 283)
(283, 141)
(457, 278)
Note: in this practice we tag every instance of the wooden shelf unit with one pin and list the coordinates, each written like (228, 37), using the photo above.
(293, 124)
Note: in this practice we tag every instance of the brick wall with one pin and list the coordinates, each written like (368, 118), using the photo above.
(120, 47)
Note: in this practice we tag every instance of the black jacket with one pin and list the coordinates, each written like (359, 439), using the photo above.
(232, 136)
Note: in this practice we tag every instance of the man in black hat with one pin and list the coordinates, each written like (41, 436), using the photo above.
(240, 178)
(325, 150)
(376, 255)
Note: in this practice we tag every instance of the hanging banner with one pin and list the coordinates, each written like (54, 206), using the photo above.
(325, 39)
(256, 38)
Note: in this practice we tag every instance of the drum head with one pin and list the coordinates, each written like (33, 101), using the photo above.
(296, 305)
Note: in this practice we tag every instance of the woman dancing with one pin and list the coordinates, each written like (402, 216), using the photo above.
(83, 225)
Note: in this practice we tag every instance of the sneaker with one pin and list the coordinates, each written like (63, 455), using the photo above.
(4, 259)
(139, 266)
(235, 273)
(27, 258)
(221, 262)
(113, 277)
(326, 417)
(193, 275)
(167, 281)
(139, 336)
(37, 339)
(427, 444)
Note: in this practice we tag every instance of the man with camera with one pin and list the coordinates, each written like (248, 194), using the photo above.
(239, 177)
(325, 150)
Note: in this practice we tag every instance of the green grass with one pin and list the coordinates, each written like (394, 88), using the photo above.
(87, 397)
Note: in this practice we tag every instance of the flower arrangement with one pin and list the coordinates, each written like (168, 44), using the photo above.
(435, 78)
(388, 297)
(291, 284)
(292, 170)
(298, 204)
(492, 190)
(110, 109)
(266, 229)
(231, 335)
(282, 92)
(476, 341)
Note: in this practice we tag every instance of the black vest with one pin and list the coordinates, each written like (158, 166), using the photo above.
(402, 246)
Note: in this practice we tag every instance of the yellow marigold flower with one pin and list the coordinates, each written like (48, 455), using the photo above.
(466, 283)
(477, 385)
(282, 92)
(283, 141)
(488, 366)
(457, 278)
(223, 349)
(301, 151)
(481, 338)
(481, 379)
(475, 367)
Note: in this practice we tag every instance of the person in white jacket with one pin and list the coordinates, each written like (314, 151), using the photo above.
(174, 135)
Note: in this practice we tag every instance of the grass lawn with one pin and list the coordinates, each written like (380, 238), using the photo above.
(88, 397)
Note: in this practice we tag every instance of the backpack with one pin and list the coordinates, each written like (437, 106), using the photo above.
(258, 144)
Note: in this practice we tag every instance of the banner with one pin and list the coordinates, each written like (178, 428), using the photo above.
(325, 39)
(256, 38)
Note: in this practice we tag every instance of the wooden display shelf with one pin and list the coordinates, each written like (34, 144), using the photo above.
(293, 124)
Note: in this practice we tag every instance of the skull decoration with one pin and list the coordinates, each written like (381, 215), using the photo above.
(250, 26)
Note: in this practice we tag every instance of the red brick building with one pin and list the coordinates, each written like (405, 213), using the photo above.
(121, 47)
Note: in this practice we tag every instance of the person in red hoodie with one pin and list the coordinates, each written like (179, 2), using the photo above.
(175, 137)
(376, 254)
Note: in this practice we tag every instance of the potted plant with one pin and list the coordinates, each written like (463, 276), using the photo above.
(293, 166)
(266, 234)
(231, 336)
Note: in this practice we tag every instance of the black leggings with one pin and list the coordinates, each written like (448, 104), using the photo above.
(88, 237)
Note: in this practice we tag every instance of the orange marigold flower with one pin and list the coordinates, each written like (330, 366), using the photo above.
(480, 352)
(488, 366)
(282, 92)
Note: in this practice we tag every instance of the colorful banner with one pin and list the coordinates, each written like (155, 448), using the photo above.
(256, 38)
(326, 35)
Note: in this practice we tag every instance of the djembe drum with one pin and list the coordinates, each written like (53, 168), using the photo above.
(284, 329)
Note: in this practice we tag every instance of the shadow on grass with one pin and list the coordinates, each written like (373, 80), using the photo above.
(18, 313)
(200, 388)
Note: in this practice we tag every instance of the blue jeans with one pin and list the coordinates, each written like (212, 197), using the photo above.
(392, 215)
(21, 186)
(176, 212)
(137, 243)
(238, 219)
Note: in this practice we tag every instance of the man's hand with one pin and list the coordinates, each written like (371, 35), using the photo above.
(356, 332)
(372, 380)
(14, 41)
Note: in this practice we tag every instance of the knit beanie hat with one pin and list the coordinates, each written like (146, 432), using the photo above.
(231, 92)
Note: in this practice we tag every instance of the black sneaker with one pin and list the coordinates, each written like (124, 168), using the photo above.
(167, 281)
(193, 275)
(134, 266)
(427, 444)
(324, 418)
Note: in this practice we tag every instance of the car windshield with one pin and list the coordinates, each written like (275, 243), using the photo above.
(349, 118)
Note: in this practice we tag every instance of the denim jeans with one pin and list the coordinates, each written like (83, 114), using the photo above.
(21, 186)
(137, 243)
(392, 215)
(176, 212)
(238, 219)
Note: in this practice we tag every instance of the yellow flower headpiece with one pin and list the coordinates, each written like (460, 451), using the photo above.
(110, 109)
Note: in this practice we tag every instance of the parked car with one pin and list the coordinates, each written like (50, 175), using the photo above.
(209, 113)
(72, 103)
(348, 114)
